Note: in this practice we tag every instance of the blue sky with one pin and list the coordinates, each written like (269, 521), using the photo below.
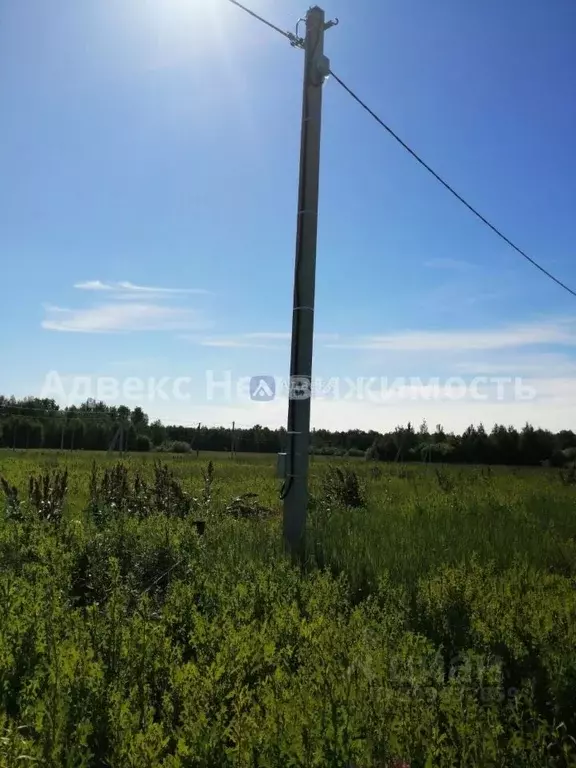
(149, 153)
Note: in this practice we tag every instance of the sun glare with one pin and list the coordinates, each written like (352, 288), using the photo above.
(184, 11)
(183, 29)
(199, 39)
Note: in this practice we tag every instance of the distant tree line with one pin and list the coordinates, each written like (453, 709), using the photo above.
(96, 426)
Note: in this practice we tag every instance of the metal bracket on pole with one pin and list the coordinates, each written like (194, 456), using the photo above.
(281, 466)
(322, 64)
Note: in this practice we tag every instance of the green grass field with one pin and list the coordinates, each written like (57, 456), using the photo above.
(433, 623)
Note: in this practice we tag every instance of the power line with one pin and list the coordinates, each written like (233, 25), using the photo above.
(299, 43)
(296, 41)
(450, 188)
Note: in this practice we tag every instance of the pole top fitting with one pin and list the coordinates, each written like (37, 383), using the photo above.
(300, 21)
(296, 39)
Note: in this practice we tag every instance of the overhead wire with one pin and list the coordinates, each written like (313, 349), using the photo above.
(449, 187)
(296, 41)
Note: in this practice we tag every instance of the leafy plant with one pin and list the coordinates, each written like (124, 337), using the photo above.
(568, 476)
(445, 480)
(47, 494)
(343, 487)
(13, 505)
(247, 507)
(428, 631)
(208, 477)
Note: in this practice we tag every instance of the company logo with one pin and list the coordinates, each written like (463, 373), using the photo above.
(262, 388)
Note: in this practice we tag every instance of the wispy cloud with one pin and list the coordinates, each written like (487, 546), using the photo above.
(93, 285)
(255, 340)
(274, 335)
(286, 336)
(466, 340)
(114, 318)
(138, 362)
(236, 344)
(127, 290)
(560, 332)
(539, 365)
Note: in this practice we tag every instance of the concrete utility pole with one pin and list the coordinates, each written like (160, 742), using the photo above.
(295, 493)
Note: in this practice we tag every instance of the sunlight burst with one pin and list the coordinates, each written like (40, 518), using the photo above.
(184, 29)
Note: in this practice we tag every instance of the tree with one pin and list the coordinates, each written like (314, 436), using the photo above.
(40, 422)
(157, 432)
(139, 418)
(143, 443)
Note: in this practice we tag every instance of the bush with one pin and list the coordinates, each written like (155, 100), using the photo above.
(143, 443)
(428, 629)
(342, 487)
(327, 450)
(371, 454)
(177, 446)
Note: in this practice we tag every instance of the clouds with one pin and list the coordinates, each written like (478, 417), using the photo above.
(507, 337)
(257, 340)
(125, 290)
(113, 318)
(552, 332)
(541, 352)
(535, 356)
(93, 285)
(528, 364)
(127, 307)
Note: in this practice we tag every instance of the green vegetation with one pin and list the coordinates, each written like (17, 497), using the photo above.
(433, 624)
(36, 423)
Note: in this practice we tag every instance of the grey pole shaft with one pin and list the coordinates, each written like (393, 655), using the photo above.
(298, 433)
